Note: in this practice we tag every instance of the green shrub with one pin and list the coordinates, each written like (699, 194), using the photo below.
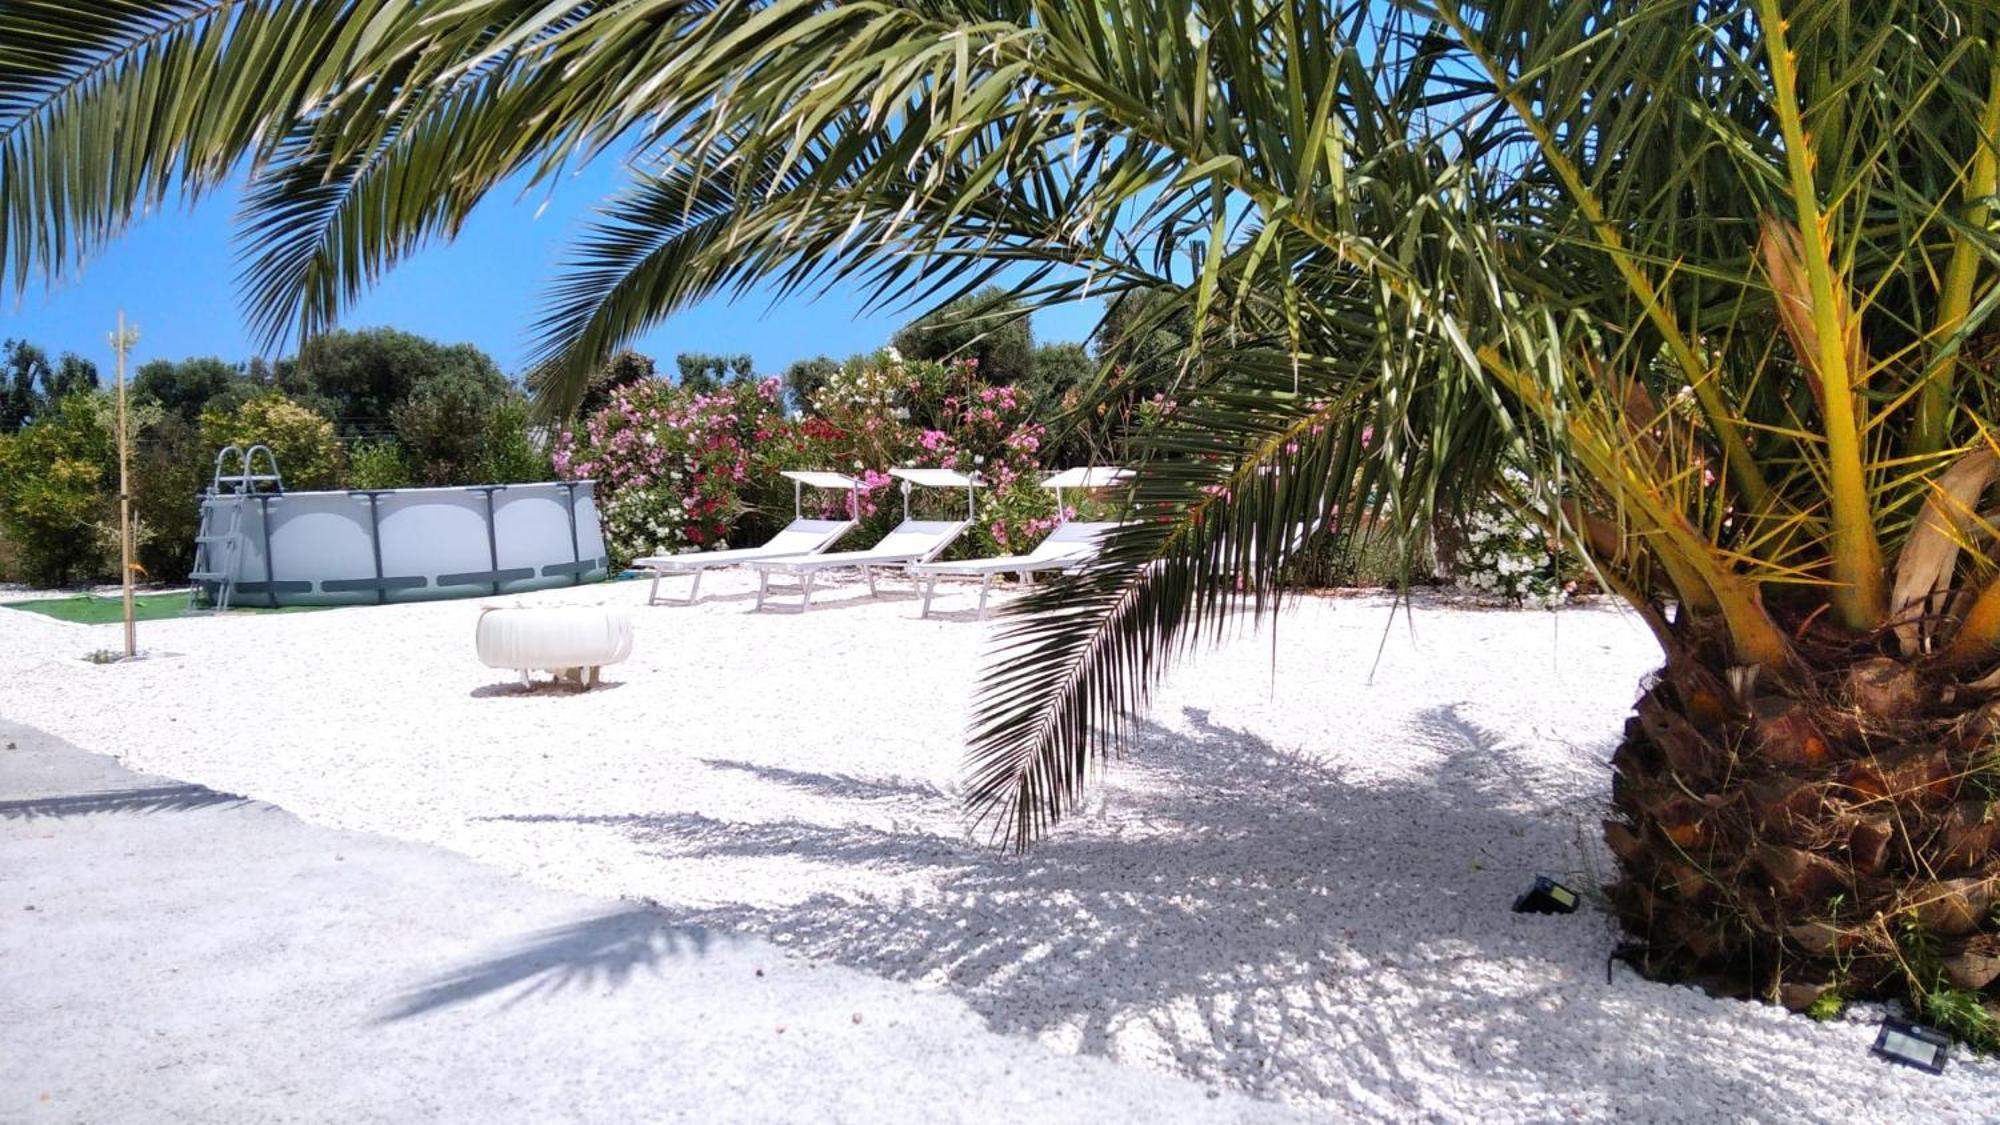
(377, 464)
(171, 465)
(309, 455)
(58, 479)
(443, 425)
(513, 453)
(1363, 558)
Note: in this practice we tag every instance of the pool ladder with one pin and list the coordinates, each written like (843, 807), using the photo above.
(218, 555)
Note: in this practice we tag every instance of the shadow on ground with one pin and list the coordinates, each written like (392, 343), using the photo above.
(515, 689)
(605, 951)
(1264, 921)
(846, 787)
(154, 799)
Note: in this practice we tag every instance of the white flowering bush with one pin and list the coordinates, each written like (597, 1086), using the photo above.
(647, 521)
(1507, 559)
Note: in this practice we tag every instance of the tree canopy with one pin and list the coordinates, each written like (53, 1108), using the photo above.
(31, 386)
(357, 378)
(184, 387)
(989, 327)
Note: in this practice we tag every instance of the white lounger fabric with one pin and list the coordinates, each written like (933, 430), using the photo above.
(800, 537)
(912, 541)
(1068, 546)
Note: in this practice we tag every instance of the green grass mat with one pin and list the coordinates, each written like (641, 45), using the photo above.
(90, 609)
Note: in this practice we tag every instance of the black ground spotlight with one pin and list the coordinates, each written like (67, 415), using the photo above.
(1912, 1045)
(1546, 897)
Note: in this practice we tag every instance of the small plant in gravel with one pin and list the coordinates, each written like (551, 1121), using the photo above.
(1948, 1005)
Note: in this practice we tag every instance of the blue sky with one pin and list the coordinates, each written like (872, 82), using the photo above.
(174, 275)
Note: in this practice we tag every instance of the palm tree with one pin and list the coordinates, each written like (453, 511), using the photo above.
(1719, 273)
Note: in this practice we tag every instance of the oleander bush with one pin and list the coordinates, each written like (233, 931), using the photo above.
(682, 468)
(670, 463)
(1504, 558)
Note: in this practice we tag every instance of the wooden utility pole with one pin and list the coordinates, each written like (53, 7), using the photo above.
(121, 343)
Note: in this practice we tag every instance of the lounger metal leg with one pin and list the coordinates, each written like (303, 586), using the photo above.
(985, 585)
(807, 603)
(694, 593)
(929, 585)
(868, 572)
(763, 587)
(653, 594)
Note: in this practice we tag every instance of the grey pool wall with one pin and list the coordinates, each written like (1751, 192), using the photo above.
(412, 544)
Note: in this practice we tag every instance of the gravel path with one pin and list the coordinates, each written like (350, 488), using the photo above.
(178, 954)
(1296, 887)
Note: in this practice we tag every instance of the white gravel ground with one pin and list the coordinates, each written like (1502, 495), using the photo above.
(1296, 887)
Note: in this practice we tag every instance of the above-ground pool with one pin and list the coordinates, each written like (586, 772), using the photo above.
(404, 544)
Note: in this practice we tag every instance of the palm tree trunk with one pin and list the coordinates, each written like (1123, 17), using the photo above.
(1833, 838)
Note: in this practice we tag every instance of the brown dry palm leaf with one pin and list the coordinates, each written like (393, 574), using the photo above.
(1783, 254)
(1930, 556)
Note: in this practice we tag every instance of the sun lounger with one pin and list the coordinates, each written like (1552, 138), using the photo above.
(800, 537)
(912, 541)
(1069, 546)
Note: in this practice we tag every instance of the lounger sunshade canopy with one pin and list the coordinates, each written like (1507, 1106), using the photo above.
(820, 479)
(937, 478)
(1093, 476)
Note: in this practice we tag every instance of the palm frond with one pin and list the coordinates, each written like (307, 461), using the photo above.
(108, 108)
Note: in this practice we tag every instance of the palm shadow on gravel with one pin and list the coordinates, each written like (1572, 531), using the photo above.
(146, 800)
(1274, 925)
(847, 787)
(604, 951)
